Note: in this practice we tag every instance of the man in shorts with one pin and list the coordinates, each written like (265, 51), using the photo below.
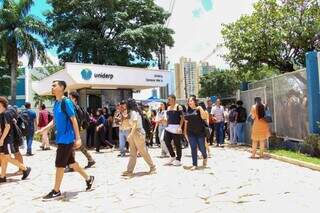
(6, 142)
(67, 138)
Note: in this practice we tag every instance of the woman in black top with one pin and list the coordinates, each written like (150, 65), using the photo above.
(195, 131)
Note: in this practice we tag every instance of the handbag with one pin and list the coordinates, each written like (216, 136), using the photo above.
(268, 116)
(250, 119)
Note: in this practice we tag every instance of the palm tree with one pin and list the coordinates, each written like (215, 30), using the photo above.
(17, 37)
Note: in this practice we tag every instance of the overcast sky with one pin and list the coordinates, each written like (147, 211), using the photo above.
(197, 26)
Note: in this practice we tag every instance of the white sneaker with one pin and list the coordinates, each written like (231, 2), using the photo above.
(176, 163)
(171, 160)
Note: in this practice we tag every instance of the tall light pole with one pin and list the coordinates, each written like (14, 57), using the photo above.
(162, 56)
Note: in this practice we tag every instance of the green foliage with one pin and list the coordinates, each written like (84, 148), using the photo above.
(17, 37)
(120, 32)
(223, 83)
(276, 35)
(4, 78)
(41, 73)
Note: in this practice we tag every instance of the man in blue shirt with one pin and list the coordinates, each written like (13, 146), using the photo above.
(31, 127)
(67, 138)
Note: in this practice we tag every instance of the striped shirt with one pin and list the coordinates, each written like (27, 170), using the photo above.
(218, 113)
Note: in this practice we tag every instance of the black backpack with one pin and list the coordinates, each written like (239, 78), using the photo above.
(82, 115)
(232, 116)
(23, 121)
(242, 114)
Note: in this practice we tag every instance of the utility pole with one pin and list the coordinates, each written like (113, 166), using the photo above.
(163, 66)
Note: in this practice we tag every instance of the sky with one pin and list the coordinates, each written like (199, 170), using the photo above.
(197, 25)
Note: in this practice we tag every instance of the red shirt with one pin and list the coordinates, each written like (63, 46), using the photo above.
(43, 118)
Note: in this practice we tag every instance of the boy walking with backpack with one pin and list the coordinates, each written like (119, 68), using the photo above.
(32, 123)
(83, 119)
(67, 138)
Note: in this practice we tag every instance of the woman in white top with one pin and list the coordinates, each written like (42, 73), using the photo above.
(136, 139)
(161, 120)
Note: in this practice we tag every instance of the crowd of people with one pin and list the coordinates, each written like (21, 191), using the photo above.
(130, 126)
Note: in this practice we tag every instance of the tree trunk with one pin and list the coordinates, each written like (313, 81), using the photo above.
(13, 63)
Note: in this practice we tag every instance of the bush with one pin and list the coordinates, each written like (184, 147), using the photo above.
(311, 145)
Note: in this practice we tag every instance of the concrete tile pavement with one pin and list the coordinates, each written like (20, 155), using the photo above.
(232, 183)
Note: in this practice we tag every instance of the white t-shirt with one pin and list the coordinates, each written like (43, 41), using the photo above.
(136, 117)
(161, 116)
(218, 113)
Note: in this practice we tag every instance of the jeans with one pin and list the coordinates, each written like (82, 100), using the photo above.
(123, 135)
(233, 138)
(164, 149)
(168, 137)
(90, 136)
(29, 138)
(195, 143)
(240, 132)
(219, 132)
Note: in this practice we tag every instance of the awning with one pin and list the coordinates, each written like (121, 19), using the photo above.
(92, 76)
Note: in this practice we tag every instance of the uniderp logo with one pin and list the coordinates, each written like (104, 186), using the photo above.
(86, 74)
(104, 75)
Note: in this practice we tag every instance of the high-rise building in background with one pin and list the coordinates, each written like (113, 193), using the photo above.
(205, 68)
(187, 77)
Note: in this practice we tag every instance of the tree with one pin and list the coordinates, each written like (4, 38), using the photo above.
(119, 32)
(41, 73)
(222, 83)
(277, 35)
(4, 77)
(17, 37)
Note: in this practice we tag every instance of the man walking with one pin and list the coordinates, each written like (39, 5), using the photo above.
(240, 123)
(74, 96)
(32, 123)
(67, 138)
(43, 119)
(218, 114)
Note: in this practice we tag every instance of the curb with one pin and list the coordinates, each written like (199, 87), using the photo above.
(288, 160)
(294, 162)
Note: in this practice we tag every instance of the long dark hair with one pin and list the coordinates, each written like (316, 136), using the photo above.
(260, 108)
(133, 106)
(192, 97)
(165, 106)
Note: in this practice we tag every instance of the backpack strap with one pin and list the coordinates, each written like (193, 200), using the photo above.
(64, 110)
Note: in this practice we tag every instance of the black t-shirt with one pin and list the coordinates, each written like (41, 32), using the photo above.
(6, 118)
(174, 116)
(242, 114)
(195, 124)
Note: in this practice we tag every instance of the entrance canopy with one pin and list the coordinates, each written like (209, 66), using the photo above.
(92, 76)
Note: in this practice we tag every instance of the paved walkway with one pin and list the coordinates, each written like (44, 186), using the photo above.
(233, 183)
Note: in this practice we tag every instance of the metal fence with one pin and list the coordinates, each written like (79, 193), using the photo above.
(248, 100)
(286, 96)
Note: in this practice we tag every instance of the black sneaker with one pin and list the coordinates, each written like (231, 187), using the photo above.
(3, 180)
(89, 183)
(52, 195)
(90, 164)
(26, 173)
